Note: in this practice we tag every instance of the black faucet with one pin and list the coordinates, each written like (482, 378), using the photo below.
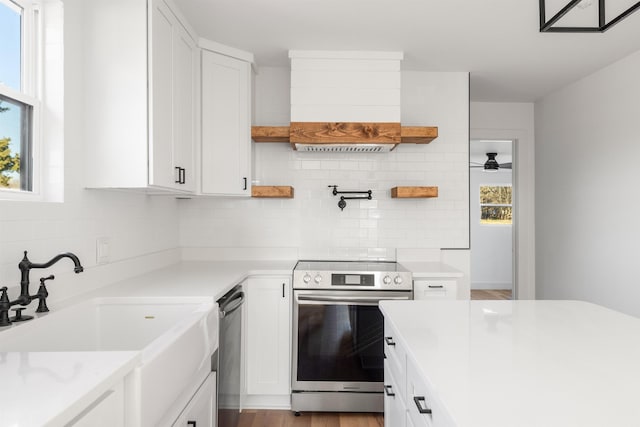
(26, 265)
(25, 298)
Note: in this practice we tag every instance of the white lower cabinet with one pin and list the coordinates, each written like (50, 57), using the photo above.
(268, 338)
(409, 399)
(201, 409)
(395, 412)
(434, 289)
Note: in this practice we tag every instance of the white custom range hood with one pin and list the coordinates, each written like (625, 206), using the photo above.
(350, 92)
(345, 101)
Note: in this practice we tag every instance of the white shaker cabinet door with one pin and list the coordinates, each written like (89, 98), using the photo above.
(395, 412)
(226, 125)
(201, 409)
(161, 172)
(172, 76)
(185, 63)
(269, 336)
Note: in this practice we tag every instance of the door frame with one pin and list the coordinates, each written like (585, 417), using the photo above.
(523, 206)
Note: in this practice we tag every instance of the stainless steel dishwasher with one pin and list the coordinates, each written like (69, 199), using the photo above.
(229, 357)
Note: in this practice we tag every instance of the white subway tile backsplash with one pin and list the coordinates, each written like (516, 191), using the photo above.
(365, 229)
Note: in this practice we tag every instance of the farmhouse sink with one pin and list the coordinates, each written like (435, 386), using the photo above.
(176, 337)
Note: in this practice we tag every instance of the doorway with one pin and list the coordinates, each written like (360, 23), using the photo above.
(491, 218)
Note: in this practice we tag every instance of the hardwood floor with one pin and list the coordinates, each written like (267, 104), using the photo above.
(258, 418)
(490, 294)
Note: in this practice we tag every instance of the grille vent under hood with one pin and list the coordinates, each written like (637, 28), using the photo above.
(345, 148)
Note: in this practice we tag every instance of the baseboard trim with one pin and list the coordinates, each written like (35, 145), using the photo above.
(263, 401)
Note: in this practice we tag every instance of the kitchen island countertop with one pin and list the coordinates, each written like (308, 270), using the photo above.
(524, 363)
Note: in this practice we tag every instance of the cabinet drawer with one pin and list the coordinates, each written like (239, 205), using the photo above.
(395, 412)
(423, 407)
(396, 357)
(435, 289)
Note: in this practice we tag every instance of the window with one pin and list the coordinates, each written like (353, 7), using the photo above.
(19, 23)
(495, 204)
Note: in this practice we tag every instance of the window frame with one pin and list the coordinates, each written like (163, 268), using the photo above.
(481, 205)
(30, 93)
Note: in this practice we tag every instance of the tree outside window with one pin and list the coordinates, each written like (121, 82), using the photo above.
(17, 101)
(496, 204)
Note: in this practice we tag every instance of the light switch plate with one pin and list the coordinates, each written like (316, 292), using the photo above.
(103, 249)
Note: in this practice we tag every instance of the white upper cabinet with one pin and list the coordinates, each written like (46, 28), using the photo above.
(226, 125)
(140, 67)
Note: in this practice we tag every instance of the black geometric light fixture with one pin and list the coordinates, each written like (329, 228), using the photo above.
(548, 26)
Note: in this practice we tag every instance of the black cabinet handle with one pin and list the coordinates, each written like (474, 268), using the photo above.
(181, 175)
(191, 423)
(418, 400)
(245, 183)
(388, 390)
(436, 286)
(389, 341)
(283, 290)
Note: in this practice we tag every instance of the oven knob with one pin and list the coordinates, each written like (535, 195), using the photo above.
(306, 278)
(398, 280)
(386, 280)
(317, 279)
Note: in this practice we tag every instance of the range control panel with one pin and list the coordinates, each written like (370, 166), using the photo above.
(351, 275)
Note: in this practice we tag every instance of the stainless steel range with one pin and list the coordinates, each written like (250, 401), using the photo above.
(338, 354)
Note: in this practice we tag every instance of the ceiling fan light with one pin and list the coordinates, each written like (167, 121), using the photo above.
(491, 164)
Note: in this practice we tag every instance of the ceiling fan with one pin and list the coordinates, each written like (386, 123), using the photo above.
(491, 164)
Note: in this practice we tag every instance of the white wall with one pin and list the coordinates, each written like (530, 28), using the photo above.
(312, 220)
(515, 121)
(137, 225)
(587, 175)
(491, 244)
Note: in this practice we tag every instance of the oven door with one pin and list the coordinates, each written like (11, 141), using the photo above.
(337, 340)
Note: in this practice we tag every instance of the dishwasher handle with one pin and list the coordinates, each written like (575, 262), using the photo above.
(231, 305)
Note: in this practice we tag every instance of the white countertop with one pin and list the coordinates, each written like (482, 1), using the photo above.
(37, 387)
(190, 278)
(431, 269)
(525, 363)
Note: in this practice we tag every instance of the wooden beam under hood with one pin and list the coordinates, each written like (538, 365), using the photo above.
(331, 133)
(353, 133)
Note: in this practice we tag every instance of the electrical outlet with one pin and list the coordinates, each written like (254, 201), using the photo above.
(102, 250)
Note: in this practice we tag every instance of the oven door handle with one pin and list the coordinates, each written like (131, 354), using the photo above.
(326, 299)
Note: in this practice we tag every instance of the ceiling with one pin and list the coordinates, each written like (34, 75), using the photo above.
(497, 41)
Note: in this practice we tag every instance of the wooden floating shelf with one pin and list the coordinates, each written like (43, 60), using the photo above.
(418, 134)
(330, 133)
(414, 192)
(272, 191)
(270, 133)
